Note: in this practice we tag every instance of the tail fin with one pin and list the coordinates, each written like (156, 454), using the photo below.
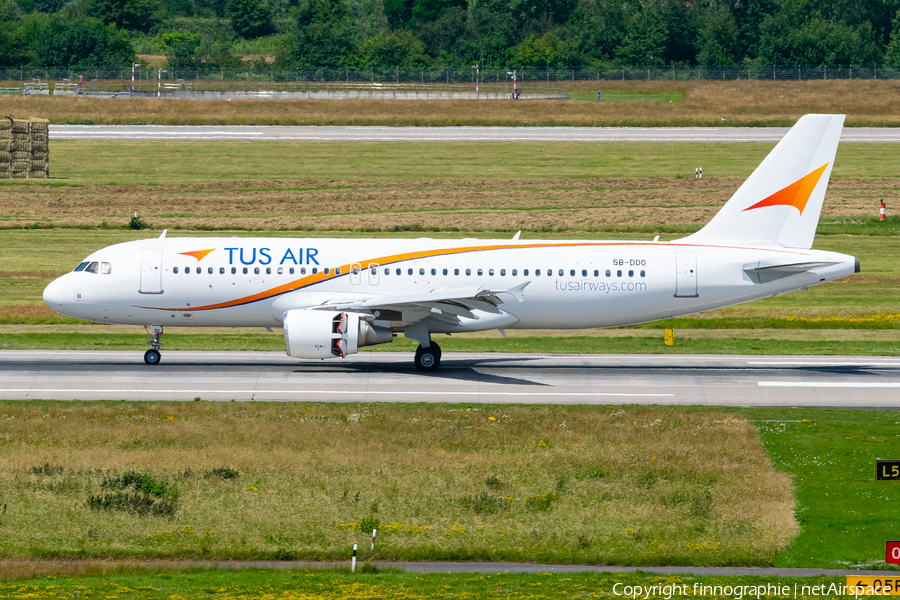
(780, 202)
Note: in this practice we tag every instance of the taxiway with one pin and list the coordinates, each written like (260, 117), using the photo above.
(809, 381)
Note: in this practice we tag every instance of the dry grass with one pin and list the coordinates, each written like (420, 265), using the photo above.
(705, 102)
(382, 205)
(630, 486)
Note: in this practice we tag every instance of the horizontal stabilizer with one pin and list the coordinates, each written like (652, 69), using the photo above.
(766, 272)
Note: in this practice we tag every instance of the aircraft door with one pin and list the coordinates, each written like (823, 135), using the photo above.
(373, 273)
(686, 275)
(354, 273)
(151, 271)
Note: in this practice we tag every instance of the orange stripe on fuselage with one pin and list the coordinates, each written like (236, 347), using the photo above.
(394, 258)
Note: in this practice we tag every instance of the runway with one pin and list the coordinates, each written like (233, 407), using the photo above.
(449, 134)
(807, 381)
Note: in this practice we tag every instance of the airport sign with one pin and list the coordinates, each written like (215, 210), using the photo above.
(887, 470)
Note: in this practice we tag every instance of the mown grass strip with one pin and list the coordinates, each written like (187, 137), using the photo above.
(374, 584)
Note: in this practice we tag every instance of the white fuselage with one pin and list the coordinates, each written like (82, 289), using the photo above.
(252, 282)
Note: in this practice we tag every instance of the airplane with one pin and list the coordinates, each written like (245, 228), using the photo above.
(335, 296)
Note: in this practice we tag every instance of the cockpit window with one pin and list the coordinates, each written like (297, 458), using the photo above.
(105, 268)
(93, 267)
(81, 267)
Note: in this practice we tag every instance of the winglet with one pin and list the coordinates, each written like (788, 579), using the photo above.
(516, 237)
(163, 234)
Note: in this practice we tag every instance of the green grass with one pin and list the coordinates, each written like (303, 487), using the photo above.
(845, 516)
(620, 95)
(113, 162)
(739, 343)
(383, 584)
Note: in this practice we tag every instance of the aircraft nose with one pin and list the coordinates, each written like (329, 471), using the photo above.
(55, 294)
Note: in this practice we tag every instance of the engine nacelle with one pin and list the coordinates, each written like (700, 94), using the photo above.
(326, 334)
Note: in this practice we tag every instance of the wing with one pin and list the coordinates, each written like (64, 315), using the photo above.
(440, 303)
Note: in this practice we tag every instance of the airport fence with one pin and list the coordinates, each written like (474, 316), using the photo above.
(271, 74)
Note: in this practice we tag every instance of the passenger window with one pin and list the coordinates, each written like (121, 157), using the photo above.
(256, 270)
(210, 270)
(561, 272)
(643, 272)
(174, 270)
(291, 270)
(631, 273)
(337, 270)
(502, 272)
(409, 271)
(572, 273)
(302, 271)
(619, 273)
(596, 273)
(315, 270)
(608, 273)
(268, 270)
(233, 270)
(399, 272)
(584, 272)
(456, 271)
(81, 267)
(387, 271)
(480, 272)
(280, 270)
(491, 272)
(355, 270)
(536, 272)
(187, 270)
(514, 272)
(434, 271)
(221, 270)
(468, 271)
(421, 271)
(525, 273)
(105, 268)
(326, 271)
(245, 270)
(199, 270)
(445, 271)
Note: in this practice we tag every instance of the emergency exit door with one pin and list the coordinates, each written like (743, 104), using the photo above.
(686, 275)
(151, 271)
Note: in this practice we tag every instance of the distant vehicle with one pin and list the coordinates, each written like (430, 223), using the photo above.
(334, 296)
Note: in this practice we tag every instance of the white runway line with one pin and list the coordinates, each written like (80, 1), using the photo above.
(343, 392)
(829, 384)
(823, 364)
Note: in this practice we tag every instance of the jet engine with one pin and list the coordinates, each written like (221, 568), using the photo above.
(327, 334)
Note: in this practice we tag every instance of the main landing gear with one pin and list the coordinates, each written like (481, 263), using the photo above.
(428, 359)
(152, 356)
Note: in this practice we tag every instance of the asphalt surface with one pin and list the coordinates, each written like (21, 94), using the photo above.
(447, 567)
(450, 134)
(820, 381)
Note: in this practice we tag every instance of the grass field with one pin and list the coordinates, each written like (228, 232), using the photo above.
(642, 485)
(328, 585)
(223, 480)
(658, 103)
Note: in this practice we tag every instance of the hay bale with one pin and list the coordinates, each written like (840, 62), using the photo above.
(21, 126)
(21, 166)
(5, 124)
(39, 155)
(40, 125)
(41, 136)
(40, 165)
(19, 144)
(19, 175)
(15, 156)
(40, 146)
(5, 157)
(38, 175)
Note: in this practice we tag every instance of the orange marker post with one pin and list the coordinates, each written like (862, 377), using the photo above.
(882, 211)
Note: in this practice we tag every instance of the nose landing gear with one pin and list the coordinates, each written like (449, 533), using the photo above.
(428, 359)
(152, 356)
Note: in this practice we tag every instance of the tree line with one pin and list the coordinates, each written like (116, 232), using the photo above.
(417, 34)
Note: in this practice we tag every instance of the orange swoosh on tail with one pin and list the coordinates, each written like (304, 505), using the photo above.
(198, 254)
(797, 194)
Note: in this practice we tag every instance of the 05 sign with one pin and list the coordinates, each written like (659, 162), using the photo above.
(892, 553)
